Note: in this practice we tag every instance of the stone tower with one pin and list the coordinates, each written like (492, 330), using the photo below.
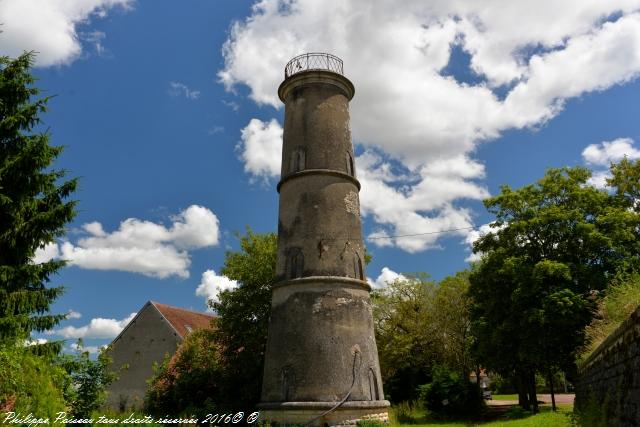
(321, 363)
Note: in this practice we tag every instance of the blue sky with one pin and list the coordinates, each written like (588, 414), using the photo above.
(170, 118)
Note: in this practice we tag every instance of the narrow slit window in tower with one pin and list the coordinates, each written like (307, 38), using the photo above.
(350, 169)
(357, 267)
(373, 385)
(297, 160)
(296, 263)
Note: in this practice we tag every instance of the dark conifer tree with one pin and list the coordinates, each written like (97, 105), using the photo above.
(34, 205)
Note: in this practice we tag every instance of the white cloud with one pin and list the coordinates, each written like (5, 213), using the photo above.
(474, 235)
(408, 203)
(91, 349)
(418, 202)
(600, 156)
(180, 89)
(261, 148)
(212, 284)
(395, 56)
(528, 59)
(47, 253)
(50, 27)
(386, 277)
(144, 247)
(608, 152)
(35, 341)
(72, 314)
(97, 328)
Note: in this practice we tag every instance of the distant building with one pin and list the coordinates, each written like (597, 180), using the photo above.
(156, 331)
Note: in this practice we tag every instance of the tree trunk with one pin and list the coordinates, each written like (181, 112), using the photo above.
(523, 400)
(533, 397)
(553, 397)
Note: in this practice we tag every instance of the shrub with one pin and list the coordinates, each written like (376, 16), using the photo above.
(90, 379)
(30, 383)
(189, 382)
(449, 394)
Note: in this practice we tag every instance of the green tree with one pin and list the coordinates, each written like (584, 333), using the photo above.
(189, 382)
(408, 344)
(33, 210)
(241, 328)
(89, 379)
(556, 244)
(420, 324)
(452, 317)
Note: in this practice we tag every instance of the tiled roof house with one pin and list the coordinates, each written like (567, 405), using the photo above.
(157, 330)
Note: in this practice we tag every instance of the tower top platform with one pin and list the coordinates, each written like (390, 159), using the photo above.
(314, 68)
(314, 62)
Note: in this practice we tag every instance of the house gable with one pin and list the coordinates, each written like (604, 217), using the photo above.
(155, 332)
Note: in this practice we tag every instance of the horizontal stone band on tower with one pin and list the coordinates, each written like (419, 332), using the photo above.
(332, 172)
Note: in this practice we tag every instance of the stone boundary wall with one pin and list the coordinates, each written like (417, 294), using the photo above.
(610, 377)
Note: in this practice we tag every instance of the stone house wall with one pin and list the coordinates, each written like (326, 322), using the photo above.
(145, 341)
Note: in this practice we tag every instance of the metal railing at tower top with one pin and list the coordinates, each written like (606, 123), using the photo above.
(313, 61)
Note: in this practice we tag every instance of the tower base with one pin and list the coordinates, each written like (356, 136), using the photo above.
(311, 413)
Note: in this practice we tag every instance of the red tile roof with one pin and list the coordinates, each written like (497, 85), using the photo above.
(183, 321)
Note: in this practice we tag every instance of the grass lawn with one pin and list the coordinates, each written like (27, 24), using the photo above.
(505, 397)
(546, 418)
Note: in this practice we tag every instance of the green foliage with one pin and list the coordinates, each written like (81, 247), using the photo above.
(451, 395)
(90, 379)
(241, 329)
(621, 299)
(189, 382)
(221, 369)
(556, 244)
(32, 207)
(30, 383)
(593, 413)
(420, 323)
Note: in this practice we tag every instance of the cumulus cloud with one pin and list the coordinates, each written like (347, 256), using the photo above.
(46, 253)
(35, 341)
(386, 277)
(474, 235)
(409, 107)
(91, 349)
(608, 152)
(418, 206)
(600, 156)
(97, 328)
(143, 247)
(51, 27)
(260, 148)
(181, 89)
(400, 202)
(72, 314)
(212, 284)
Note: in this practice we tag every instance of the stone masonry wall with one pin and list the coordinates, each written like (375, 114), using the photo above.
(610, 377)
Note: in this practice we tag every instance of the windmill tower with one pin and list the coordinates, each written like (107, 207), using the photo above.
(321, 362)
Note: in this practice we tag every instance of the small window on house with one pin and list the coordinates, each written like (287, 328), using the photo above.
(350, 170)
(295, 263)
(357, 267)
(297, 160)
(188, 328)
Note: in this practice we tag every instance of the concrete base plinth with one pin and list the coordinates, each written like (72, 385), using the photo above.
(311, 413)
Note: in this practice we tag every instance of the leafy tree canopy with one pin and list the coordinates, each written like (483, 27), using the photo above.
(557, 243)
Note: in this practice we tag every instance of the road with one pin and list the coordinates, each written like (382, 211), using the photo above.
(546, 398)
